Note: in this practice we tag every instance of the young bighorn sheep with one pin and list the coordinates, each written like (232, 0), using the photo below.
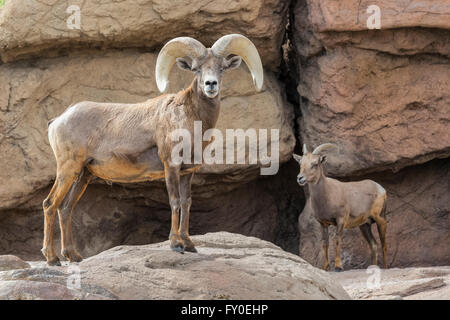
(132, 142)
(343, 204)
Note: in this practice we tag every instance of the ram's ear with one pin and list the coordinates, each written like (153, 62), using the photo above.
(232, 63)
(323, 159)
(297, 157)
(184, 64)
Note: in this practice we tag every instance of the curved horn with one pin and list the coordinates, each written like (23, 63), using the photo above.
(239, 45)
(305, 149)
(324, 147)
(175, 48)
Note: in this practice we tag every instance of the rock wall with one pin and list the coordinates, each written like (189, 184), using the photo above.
(381, 95)
(384, 93)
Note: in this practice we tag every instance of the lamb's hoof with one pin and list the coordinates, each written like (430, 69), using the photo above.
(190, 249)
(326, 267)
(54, 262)
(338, 269)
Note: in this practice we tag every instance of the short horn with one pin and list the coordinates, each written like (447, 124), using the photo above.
(239, 45)
(305, 149)
(175, 48)
(324, 147)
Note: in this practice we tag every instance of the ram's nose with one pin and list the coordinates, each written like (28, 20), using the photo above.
(211, 86)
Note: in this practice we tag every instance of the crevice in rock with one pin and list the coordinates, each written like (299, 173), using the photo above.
(289, 76)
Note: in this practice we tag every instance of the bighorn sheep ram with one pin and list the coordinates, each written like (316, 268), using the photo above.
(132, 142)
(343, 204)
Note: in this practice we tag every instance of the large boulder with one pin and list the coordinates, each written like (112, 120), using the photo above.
(227, 266)
(381, 95)
(32, 28)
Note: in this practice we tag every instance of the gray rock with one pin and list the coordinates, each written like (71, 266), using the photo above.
(227, 266)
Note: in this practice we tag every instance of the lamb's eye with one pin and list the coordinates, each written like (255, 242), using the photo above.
(314, 165)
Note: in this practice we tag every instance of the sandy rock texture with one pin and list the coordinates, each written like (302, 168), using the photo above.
(144, 24)
(381, 95)
(432, 283)
(351, 15)
(227, 266)
(418, 209)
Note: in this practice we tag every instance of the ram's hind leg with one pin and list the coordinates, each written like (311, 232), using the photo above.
(65, 177)
(65, 210)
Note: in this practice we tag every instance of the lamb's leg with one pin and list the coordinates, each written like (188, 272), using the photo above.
(326, 263)
(382, 225)
(339, 231)
(172, 175)
(367, 233)
(185, 193)
(65, 210)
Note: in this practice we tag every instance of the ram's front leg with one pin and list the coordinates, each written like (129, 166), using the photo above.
(185, 193)
(172, 175)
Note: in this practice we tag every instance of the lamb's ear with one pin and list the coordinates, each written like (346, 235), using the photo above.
(297, 157)
(183, 64)
(323, 159)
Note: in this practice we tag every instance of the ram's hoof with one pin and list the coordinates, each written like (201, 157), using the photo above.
(178, 248)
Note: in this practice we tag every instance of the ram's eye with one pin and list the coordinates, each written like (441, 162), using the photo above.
(314, 165)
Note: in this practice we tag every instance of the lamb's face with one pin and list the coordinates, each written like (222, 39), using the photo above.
(209, 71)
(310, 168)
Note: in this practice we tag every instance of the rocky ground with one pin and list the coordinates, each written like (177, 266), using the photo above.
(227, 266)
